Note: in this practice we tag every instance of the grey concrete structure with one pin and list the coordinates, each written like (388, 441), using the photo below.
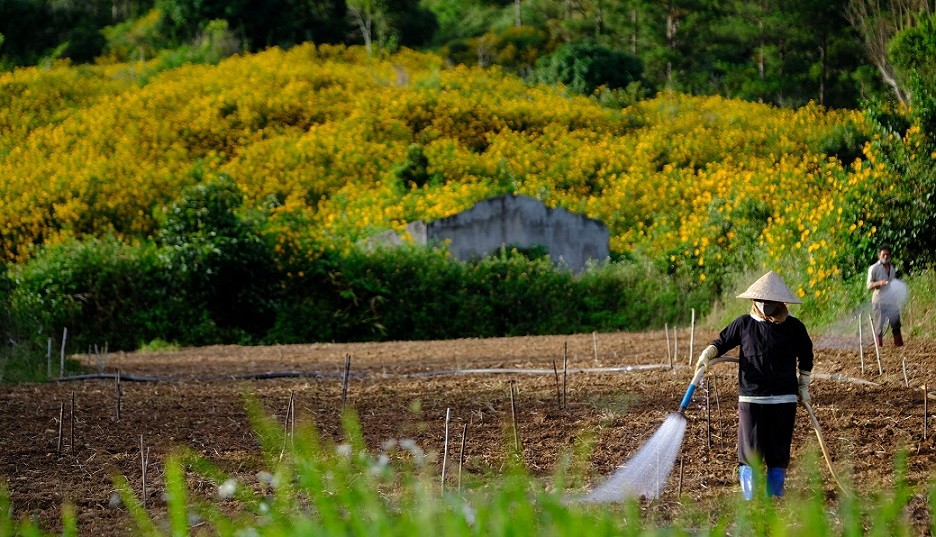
(521, 221)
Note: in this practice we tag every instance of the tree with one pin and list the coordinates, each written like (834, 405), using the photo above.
(906, 145)
(913, 53)
(878, 23)
(222, 265)
(583, 66)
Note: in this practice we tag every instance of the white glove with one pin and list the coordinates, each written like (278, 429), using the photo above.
(805, 377)
(707, 354)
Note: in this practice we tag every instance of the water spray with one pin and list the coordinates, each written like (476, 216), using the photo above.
(647, 472)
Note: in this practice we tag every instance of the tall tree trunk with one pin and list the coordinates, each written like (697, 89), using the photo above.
(517, 20)
(599, 20)
(671, 26)
(822, 69)
(761, 67)
(634, 32)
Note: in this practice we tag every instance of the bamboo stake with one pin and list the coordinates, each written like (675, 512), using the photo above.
(860, 346)
(72, 428)
(903, 366)
(62, 354)
(717, 407)
(692, 336)
(708, 416)
(117, 393)
(565, 373)
(558, 388)
(292, 416)
(143, 462)
(669, 351)
(49, 359)
(289, 421)
(448, 415)
(679, 486)
(344, 380)
(925, 397)
(595, 345)
(61, 420)
(288, 408)
(676, 342)
(513, 413)
(877, 348)
(461, 454)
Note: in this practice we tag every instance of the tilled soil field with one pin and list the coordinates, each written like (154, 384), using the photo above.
(63, 442)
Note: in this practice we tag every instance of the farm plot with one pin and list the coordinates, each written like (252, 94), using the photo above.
(63, 441)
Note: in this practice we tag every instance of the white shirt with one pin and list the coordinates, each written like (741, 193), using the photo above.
(877, 272)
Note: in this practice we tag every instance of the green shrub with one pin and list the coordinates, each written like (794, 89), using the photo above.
(418, 293)
(637, 295)
(584, 66)
(222, 268)
(21, 351)
(101, 290)
(211, 279)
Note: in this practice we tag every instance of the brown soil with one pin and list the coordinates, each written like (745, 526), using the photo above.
(200, 404)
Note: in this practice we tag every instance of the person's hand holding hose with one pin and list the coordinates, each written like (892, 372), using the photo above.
(805, 377)
(707, 354)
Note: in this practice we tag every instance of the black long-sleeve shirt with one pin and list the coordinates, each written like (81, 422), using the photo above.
(769, 354)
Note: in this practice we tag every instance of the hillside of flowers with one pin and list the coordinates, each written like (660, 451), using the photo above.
(331, 145)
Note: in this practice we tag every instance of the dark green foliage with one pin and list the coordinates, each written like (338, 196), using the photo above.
(627, 295)
(260, 24)
(101, 290)
(913, 51)
(417, 293)
(413, 172)
(220, 263)
(585, 65)
(416, 25)
(35, 30)
(514, 48)
(211, 279)
(21, 353)
(845, 142)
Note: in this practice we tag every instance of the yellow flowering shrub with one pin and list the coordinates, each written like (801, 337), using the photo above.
(315, 136)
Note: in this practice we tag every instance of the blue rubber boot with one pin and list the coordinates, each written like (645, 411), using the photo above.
(746, 475)
(775, 479)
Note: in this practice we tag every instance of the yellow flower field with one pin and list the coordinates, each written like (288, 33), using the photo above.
(314, 136)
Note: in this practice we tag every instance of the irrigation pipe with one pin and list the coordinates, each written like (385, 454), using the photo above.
(273, 375)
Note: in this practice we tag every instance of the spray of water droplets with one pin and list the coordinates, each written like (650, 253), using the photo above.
(646, 473)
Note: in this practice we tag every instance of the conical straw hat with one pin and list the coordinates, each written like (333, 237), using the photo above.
(770, 287)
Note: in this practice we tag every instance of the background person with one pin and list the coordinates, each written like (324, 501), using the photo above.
(772, 343)
(884, 310)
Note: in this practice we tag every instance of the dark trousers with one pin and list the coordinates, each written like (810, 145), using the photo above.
(886, 314)
(765, 432)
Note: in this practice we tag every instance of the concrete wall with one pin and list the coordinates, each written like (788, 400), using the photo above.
(522, 221)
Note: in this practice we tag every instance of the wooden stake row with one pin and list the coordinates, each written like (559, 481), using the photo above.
(673, 351)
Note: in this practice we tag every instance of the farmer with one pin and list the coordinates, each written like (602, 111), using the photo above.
(772, 343)
(885, 311)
